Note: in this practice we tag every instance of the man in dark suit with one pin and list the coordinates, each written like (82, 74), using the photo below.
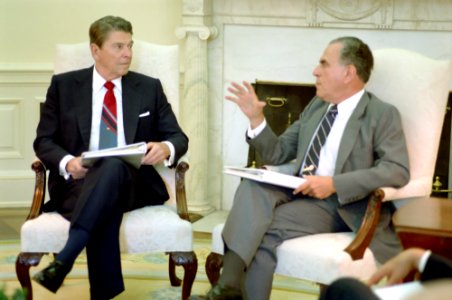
(95, 198)
(364, 150)
(431, 266)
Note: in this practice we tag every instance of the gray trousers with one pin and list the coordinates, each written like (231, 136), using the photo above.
(261, 218)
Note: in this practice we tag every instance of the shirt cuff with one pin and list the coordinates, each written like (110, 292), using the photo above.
(63, 164)
(252, 133)
(170, 160)
(423, 260)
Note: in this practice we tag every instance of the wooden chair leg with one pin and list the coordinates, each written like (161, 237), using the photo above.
(322, 287)
(214, 263)
(174, 280)
(189, 262)
(23, 263)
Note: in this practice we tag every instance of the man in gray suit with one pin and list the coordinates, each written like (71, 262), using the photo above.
(364, 150)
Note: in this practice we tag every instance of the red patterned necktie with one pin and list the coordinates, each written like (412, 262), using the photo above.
(108, 136)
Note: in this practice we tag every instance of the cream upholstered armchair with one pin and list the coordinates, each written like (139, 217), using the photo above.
(418, 86)
(164, 228)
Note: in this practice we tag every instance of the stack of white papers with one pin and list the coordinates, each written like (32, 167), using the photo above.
(266, 176)
(399, 291)
(131, 154)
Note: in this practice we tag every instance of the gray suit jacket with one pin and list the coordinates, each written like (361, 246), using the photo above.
(372, 154)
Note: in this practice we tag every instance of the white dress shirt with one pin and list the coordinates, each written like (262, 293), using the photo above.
(329, 151)
(423, 261)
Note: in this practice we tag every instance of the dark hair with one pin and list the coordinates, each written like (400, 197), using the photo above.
(356, 52)
(99, 30)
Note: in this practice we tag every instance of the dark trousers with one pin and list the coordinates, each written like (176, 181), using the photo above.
(99, 201)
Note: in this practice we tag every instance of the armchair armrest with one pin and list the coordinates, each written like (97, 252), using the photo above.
(366, 232)
(40, 189)
(181, 200)
(41, 180)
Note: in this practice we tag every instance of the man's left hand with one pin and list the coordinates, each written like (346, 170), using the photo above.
(157, 152)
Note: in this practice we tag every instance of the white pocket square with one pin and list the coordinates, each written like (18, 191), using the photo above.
(145, 114)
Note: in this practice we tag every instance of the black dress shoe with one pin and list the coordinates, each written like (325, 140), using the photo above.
(53, 276)
(220, 292)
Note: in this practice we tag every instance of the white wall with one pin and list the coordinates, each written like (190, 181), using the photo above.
(29, 29)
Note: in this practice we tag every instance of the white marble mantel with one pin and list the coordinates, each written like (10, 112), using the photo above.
(281, 40)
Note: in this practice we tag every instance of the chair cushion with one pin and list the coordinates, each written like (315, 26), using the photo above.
(324, 251)
(155, 228)
(327, 259)
(148, 229)
(46, 233)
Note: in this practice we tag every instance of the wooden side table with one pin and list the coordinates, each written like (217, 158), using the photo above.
(426, 223)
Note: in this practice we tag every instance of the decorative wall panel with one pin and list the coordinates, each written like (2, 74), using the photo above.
(22, 88)
(11, 116)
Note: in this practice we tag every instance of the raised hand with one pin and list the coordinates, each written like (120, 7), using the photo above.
(244, 96)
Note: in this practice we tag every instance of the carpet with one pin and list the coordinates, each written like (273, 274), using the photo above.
(145, 275)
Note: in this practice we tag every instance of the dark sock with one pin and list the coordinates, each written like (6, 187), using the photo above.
(233, 268)
(78, 239)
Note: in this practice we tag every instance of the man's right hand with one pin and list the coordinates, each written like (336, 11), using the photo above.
(320, 187)
(396, 269)
(75, 168)
(246, 99)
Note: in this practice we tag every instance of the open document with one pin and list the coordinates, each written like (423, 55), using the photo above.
(266, 176)
(399, 291)
(131, 154)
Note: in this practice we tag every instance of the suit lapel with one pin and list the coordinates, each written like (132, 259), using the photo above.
(307, 130)
(131, 103)
(83, 100)
(351, 133)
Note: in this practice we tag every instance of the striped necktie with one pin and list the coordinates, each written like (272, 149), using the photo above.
(108, 136)
(312, 158)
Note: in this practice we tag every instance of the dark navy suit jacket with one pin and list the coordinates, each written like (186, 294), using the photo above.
(65, 128)
(437, 267)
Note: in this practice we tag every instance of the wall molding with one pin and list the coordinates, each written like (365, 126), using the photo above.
(435, 15)
(18, 175)
(22, 87)
(12, 123)
(25, 74)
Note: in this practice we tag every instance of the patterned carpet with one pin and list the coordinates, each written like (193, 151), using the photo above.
(146, 277)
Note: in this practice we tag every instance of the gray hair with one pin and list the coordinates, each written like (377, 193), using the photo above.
(355, 52)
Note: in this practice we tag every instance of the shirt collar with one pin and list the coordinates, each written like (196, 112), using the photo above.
(350, 103)
(99, 81)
